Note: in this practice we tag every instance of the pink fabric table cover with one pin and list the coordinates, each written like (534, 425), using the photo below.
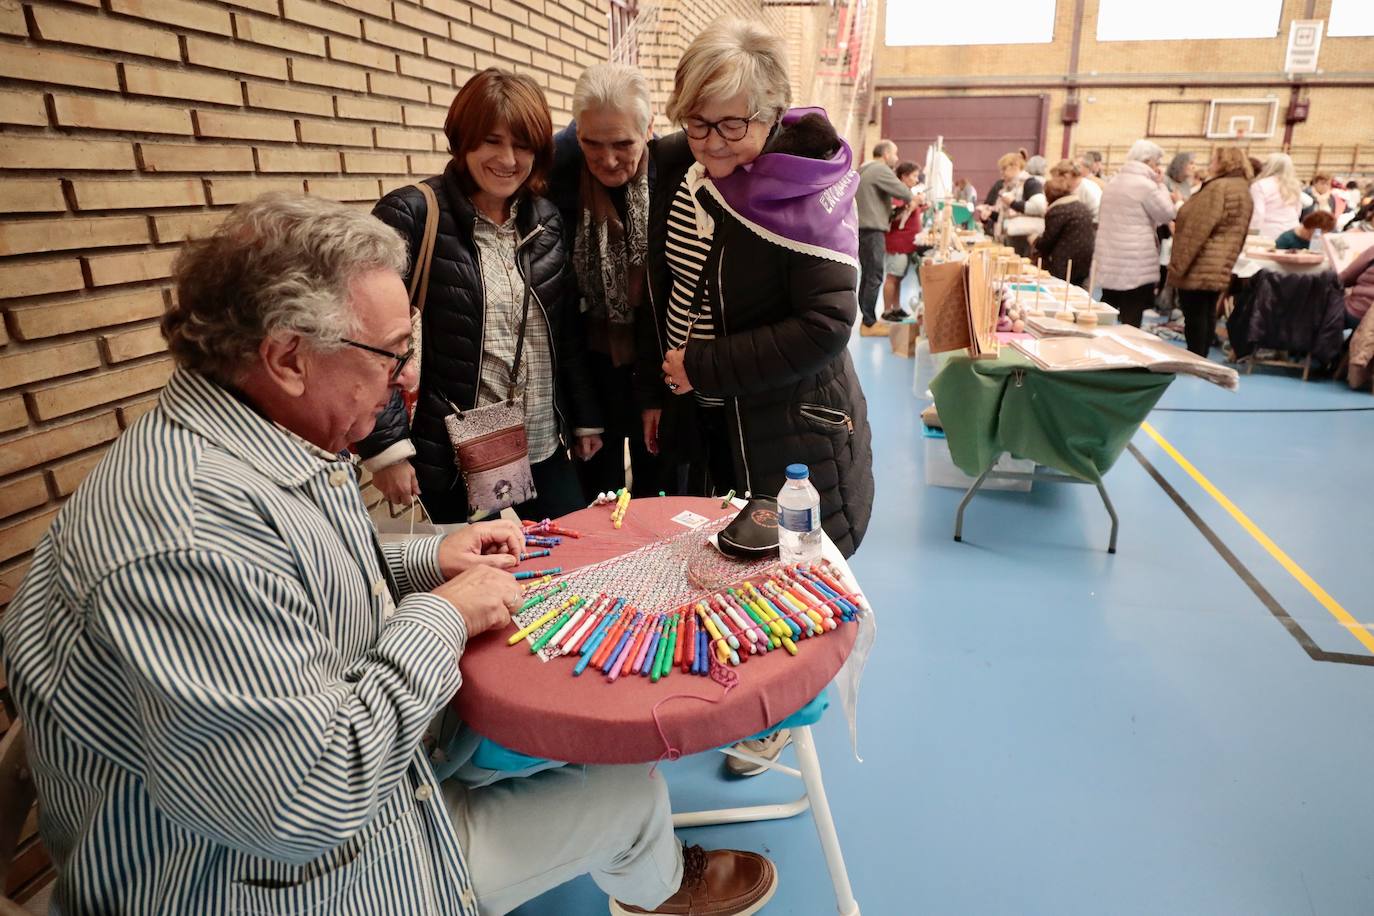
(540, 709)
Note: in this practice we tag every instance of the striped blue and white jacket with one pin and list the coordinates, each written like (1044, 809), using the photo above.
(225, 707)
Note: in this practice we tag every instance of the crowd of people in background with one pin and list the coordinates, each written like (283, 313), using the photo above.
(1164, 233)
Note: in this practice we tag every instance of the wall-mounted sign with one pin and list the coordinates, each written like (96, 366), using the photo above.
(1304, 41)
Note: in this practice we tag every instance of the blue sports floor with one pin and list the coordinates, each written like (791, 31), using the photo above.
(1047, 729)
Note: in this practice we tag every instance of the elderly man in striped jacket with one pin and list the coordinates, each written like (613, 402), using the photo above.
(227, 680)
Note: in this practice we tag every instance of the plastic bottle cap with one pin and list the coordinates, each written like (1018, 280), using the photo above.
(798, 472)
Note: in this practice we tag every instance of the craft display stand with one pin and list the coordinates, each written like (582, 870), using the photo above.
(536, 708)
(1073, 426)
(1041, 475)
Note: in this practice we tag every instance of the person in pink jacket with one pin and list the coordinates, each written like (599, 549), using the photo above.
(1134, 205)
(1277, 195)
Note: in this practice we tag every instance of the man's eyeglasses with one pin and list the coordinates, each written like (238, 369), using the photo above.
(730, 129)
(401, 358)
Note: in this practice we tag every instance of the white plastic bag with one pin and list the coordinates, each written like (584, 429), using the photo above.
(399, 525)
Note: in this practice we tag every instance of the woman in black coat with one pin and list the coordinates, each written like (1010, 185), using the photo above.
(752, 277)
(601, 181)
(1070, 234)
(495, 237)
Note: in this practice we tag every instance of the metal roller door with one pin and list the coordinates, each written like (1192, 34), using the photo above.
(977, 130)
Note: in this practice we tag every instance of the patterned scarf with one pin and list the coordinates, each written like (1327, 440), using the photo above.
(608, 256)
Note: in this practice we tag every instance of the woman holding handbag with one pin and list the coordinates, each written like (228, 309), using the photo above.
(503, 390)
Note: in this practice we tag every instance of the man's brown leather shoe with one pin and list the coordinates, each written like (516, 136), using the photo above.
(722, 882)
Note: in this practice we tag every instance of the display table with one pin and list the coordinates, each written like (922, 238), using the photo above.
(1075, 423)
(541, 710)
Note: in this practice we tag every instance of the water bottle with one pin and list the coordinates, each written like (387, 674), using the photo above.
(1316, 243)
(799, 517)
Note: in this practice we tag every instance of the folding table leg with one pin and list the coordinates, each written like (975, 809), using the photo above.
(1106, 501)
(963, 503)
(810, 766)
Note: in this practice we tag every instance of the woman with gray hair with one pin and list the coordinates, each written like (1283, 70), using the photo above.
(744, 368)
(600, 183)
(1180, 177)
(1126, 258)
(752, 275)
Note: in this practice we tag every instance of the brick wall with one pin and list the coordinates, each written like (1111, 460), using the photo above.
(1118, 80)
(127, 126)
(678, 22)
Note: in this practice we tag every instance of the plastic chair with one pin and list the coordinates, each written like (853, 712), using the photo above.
(813, 797)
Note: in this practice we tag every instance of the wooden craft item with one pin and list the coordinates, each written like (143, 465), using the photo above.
(943, 287)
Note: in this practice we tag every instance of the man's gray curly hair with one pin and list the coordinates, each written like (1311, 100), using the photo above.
(280, 262)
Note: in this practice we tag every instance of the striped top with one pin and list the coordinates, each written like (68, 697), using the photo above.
(686, 251)
(504, 291)
(225, 705)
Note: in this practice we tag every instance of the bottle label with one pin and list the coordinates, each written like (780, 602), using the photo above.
(801, 521)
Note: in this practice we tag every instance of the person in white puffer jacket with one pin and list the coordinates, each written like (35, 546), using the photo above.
(1126, 258)
(1278, 197)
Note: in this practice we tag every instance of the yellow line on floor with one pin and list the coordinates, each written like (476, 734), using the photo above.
(1357, 629)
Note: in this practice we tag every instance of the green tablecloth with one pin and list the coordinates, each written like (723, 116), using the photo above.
(1075, 422)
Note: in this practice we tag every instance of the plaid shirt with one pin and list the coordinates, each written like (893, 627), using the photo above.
(505, 291)
(225, 706)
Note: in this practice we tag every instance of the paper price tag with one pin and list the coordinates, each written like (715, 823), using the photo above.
(690, 519)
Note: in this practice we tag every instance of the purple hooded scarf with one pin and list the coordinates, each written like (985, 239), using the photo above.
(803, 204)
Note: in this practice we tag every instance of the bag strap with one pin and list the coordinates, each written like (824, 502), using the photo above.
(424, 256)
(701, 296)
(524, 320)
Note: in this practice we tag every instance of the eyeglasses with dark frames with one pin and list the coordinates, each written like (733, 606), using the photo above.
(729, 129)
(401, 358)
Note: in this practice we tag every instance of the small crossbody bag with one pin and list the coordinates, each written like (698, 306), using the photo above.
(490, 446)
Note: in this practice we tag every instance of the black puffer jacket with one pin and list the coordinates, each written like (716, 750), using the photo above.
(782, 364)
(452, 333)
(1299, 313)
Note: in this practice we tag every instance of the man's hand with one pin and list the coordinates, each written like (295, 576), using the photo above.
(494, 544)
(397, 483)
(483, 597)
(675, 371)
(651, 418)
(586, 447)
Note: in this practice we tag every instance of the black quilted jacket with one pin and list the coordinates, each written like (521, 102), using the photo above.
(781, 362)
(1299, 313)
(452, 332)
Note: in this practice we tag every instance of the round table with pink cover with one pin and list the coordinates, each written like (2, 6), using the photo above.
(539, 709)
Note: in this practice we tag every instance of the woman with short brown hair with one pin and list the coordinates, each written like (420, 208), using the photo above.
(496, 237)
